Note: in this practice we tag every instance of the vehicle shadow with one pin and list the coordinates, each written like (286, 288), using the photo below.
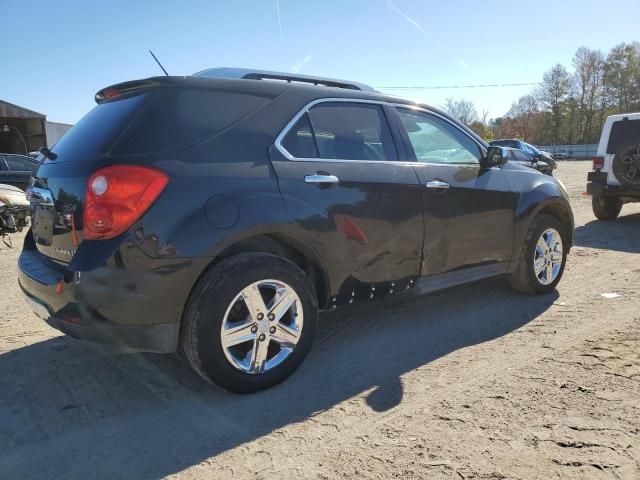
(622, 234)
(71, 410)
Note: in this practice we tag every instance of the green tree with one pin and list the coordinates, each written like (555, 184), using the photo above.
(553, 93)
(622, 75)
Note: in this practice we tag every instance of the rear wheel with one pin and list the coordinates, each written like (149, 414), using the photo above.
(606, 208)
(250, 322)
(542, 258)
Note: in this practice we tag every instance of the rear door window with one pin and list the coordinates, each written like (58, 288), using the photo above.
(299, 141)
(352, 131)
(623, 134)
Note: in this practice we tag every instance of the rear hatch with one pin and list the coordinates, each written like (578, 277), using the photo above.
(135, 124)
(59, 184)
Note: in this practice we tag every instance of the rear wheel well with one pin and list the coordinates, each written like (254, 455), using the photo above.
(286, 247)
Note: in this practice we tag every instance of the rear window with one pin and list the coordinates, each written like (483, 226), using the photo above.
(98, 129)
(623, 134)
(187, 117)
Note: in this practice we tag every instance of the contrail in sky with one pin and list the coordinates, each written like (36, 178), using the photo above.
(392, 6)
(298, 67)
(279, 21)
(395, 8)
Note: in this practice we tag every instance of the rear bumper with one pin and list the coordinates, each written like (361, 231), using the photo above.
(67, 309)
(597, 186)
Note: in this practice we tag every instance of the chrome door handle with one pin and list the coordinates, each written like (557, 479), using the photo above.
(437, 184)
(318, 178)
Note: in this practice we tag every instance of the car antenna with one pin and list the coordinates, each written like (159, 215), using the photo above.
(158, 62)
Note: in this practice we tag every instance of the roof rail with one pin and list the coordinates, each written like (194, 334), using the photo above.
(223, 72)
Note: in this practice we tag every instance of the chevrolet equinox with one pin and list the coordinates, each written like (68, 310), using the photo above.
(216, 214)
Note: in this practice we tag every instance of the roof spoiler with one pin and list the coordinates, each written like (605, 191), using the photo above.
(134, 86)
(243, 73)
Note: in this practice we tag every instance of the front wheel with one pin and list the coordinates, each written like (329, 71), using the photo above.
(606, 208)
(542, 258)
(250, 322)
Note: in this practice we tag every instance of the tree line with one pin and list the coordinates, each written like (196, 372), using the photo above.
(567, 107)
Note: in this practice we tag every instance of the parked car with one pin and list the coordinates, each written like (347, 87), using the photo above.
(515, 155)
(527, 148)
(615, 178)
(562, 154)
(218, 216)
(14, 210)
(16, 170)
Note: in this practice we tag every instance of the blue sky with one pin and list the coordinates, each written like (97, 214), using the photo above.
(57, 54)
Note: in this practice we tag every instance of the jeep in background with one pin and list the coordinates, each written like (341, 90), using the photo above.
(615, 179)
(216, 214)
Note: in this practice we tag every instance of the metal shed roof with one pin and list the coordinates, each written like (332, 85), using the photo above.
(9, 110)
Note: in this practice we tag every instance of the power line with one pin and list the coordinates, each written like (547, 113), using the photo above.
(441, 87)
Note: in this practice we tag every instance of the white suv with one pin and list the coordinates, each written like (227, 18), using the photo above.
(616, 168)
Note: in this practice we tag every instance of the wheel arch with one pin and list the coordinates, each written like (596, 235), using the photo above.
(560, 211)
(555, 206)
(285, 246)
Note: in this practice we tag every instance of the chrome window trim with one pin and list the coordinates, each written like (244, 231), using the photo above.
(310, 105)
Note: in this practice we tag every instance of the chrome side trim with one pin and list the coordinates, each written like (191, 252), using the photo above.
(278, 141)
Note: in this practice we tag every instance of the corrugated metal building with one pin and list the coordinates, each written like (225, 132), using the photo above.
(23, 130)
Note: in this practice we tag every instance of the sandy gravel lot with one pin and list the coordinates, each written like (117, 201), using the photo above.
(475, 382)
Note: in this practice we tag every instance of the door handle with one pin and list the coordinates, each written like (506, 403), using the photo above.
(321, 178)
(437, 184)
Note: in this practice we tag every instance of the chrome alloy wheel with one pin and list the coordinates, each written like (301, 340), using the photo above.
(262, 326)
(547, 259)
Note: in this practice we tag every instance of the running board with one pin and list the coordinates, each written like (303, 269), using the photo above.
(434, 283)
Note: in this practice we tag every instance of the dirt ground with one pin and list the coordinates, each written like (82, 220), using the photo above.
(475, 382)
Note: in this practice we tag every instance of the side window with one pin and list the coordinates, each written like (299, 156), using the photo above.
(529, 149)
(3, 167)
(520, 156)
(352, 131)
(436, 141)
(18, 164)
(299, 141)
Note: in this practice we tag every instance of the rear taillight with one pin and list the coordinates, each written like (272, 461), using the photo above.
(117, 196)
(598, 163)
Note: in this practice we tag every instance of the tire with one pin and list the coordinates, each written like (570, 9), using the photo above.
(606, 208)
(524, 278)
(217, 297)
(626, 166)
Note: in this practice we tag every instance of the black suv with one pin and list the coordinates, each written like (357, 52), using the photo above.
(218, 213)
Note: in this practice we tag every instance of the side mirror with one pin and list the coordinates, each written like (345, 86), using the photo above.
(495, 157)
